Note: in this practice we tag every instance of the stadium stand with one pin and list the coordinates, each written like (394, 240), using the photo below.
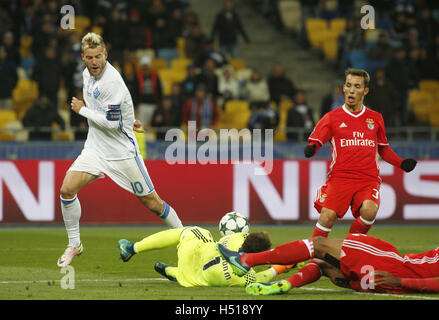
(325, 31)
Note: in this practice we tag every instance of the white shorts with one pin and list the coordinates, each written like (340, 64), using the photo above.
(130, 174)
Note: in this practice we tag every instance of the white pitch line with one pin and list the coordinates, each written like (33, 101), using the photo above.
(402, 296)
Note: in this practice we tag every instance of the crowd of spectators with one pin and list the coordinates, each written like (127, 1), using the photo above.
(407, 47)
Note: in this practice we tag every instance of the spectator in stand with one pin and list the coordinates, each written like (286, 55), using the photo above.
(165, 116)
(256, 88)
(400, 27)
(295, 121)
(228, 86)
(279, 85)
(195, 41)
(412, 40)
(351, 39)
(164, 41)
(383, 97)
(175, 23)
(426, 26)
(156, 10)
(149, 91)
(138, 32)
(228, 26)
(201, 109)
(382, 50)
(427, 66)
(190, 19)
(398, 73)
(332, 100)
(116, 33)
(40, 117)
(208, 78)
(11, 48)
(263, 116)
(130, 70)
(178, 100)
(413, 65)
(189, 84)
(47, 73)
(41, 39)
(8, 79)
(210, 52)
(302, 107)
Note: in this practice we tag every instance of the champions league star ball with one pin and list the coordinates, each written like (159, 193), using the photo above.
(233, 222)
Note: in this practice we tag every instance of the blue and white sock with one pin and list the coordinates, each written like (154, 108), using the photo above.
(170, 217)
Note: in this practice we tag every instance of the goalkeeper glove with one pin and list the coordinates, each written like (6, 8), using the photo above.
(408, 164)
(310, 150)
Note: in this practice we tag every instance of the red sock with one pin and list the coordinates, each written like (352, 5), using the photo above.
(288, 253)
(361, 226)
(309, 273)
(320, 231)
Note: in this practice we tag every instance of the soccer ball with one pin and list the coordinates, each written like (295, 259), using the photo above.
(233, 222)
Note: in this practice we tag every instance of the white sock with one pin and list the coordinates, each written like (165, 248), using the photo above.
(170, 217)
(71, 211)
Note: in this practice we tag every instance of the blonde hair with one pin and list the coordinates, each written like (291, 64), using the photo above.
(92, 40)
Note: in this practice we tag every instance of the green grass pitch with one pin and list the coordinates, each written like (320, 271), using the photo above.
(28, 265)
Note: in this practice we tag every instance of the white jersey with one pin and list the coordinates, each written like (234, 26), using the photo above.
(110, 113)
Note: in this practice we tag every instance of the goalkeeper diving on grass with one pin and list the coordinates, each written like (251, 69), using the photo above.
(199, 261)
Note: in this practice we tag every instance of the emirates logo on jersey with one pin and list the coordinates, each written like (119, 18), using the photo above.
(370, 124)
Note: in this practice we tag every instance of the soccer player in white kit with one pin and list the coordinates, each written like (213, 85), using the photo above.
(111, 147)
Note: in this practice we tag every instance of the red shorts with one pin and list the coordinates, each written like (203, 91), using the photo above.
(338, 194)
(362, 254)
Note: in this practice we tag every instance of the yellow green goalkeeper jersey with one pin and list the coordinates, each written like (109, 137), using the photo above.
(200, 263)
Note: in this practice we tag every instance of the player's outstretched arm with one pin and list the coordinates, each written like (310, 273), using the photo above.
(388, 155)
(421, 285)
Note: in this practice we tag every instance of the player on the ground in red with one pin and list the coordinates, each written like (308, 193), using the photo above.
(356, 134)
(359, 261)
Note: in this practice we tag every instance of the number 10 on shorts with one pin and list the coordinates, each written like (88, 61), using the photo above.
(137, 187)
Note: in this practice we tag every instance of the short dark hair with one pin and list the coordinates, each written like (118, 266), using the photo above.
(256, 242)
(360, 73)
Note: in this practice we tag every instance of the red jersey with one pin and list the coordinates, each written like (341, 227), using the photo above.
(360, 252)
(354, 139)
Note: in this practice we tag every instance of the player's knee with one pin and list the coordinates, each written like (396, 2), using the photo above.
(67, 192)
(327, 218)
(369, 211)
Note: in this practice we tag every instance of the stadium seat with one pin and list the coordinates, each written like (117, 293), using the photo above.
(7, 116)
(81, 24)
(358, 59)
(330, 49)
(291, 14)
(181, 47)
(236, 106)
(169, 76)
(98, 30)
(434, 119)
(429, 85)
(337, 25)
(180, 63)
(237, 64)
(23, 95)
(315, 31)
(158, 64)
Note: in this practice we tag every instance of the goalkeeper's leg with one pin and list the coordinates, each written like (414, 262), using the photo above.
(159, 240)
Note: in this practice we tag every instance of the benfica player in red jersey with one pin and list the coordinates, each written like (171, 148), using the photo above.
(359, 261)
(356, 134)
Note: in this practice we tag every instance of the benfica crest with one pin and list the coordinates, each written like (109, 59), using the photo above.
(370, 124)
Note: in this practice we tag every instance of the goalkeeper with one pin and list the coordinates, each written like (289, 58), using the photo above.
(199, 262)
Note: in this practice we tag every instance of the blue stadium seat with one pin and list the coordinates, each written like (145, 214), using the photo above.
(357, 59)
